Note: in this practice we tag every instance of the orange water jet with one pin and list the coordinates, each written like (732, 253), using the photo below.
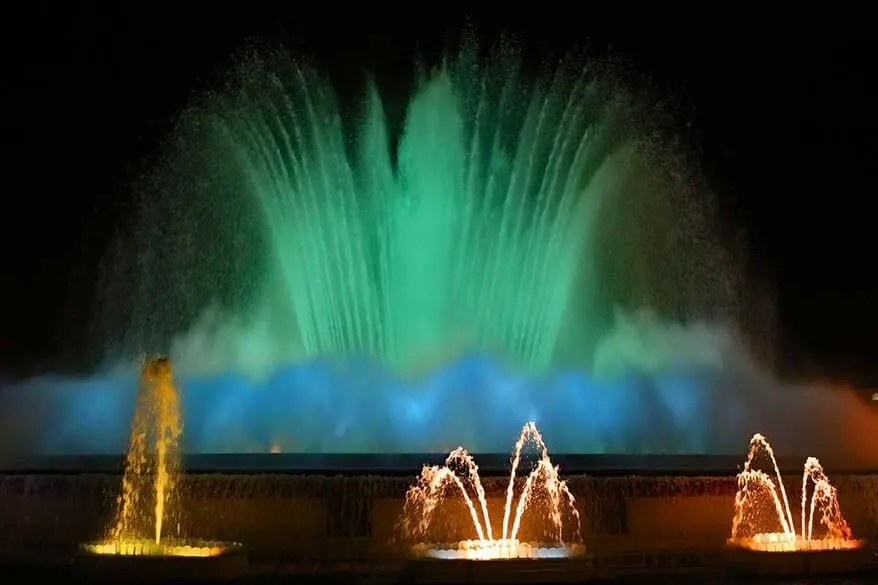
(757, 488)
(461, 474)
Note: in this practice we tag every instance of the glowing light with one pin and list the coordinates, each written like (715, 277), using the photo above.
(757, 489)
(170, 548)
(476, 398)
(423, 499)
(487, 550)
(781, 542)
(875, 397)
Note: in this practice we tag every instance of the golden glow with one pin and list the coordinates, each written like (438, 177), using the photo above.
(152, 464)
(875, 397)
(148, 548)
(783, 542)
(489, 550)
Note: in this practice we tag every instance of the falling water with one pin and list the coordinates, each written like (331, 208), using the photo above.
(514, 216)
(460, 472)
(755, 485)
(152, 463)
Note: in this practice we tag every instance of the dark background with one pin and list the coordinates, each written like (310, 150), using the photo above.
(781, 114)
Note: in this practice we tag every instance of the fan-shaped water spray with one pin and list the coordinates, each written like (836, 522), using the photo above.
(516, 214)
(526, 222)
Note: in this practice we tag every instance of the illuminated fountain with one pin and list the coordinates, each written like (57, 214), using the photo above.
(764, 523)
(148, 504)
(508, 228)
(515, 247)
(460, 475)
(757, 488)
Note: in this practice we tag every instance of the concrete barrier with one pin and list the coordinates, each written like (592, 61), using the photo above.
(793, 564)
(630, 524)
(700, 518)
(268, 525)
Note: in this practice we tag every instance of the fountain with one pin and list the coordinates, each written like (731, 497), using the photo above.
(516, 247)
(761, 504)
(460, 474)
(519, 249)
(484, 224)
(149, 499)
(494, 242)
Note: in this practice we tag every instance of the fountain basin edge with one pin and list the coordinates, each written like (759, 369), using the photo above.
(798, 563)
(469, 550)
(533, 570)
(193, 561)
(637, 525)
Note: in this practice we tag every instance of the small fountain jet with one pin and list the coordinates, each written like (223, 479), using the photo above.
(459, 471)
(757, 489)
(152, 471)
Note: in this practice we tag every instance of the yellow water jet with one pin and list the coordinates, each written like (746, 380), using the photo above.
(152, 464)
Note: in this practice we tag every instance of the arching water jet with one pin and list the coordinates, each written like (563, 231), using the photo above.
(493, 541)
(761, 503)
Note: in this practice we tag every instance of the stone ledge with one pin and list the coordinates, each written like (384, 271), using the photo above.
(810, 563)
(118, 569)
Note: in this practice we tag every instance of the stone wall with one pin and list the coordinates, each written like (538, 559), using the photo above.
(288, 515)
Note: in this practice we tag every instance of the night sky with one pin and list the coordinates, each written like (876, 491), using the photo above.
(783, 117)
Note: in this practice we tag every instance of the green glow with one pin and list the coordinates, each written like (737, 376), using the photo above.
(515, 218)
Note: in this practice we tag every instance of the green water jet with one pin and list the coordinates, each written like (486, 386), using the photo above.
(516, 216)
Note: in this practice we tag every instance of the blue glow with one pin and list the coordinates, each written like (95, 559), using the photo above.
(361, 408)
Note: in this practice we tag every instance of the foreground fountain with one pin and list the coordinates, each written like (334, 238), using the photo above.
(541, 488)
(764, 537)
(148, 514)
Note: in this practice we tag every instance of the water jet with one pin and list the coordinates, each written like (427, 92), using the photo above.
(461, 474)
(489, 241)
(138, 544)
(498, 548)
(761, 504)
